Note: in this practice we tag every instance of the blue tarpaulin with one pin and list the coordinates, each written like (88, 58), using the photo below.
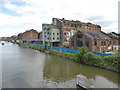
(68, 50)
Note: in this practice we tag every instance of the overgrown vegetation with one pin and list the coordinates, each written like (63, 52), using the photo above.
(84, 56)
(42, 49)
(107, 62)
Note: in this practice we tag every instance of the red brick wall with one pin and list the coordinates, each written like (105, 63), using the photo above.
(74, 41)
(84, 27)
(99, 47)
(30, 35)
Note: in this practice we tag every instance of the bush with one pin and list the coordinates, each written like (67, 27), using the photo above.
(69, 55)
(108, 62)
(92, 59)
(81, 54)
(112, 61)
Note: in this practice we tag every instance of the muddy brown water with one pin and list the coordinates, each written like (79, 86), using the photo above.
(28, 68)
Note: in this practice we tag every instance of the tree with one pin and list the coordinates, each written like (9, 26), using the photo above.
(82, 53)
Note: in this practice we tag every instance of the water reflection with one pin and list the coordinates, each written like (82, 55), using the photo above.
(26, 68)
(61, 70)
(101, 81)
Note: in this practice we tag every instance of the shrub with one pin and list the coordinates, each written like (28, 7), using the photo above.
(92, 59)
(69, 55)
(108, 62)
(112, 61)
(81, 54)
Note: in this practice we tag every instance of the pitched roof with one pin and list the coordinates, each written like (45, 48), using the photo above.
(114, 35)
(97, 35)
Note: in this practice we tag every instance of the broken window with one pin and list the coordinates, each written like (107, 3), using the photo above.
(79, 36)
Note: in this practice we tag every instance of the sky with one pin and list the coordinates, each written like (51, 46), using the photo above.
(17, 16)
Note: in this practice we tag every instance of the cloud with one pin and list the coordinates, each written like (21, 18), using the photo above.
(95, 18)
(105, 23)
(27, 14)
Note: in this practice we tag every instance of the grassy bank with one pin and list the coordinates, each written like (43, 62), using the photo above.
(85, 57)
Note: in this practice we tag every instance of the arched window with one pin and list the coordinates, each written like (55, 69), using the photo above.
(87, 43)
(79, 36)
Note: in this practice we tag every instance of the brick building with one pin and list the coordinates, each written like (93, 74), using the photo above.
(75, 34)
(30, 36)
(95, 41)
(115, 42)
(13, 38)
(69, 27)
(40, 36)
(20, 37)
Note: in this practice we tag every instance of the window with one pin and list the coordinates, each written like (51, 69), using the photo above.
(79, 36)
(45, 36)
(53, 38)
(48, 33)
(58, 38)
(87, 43)
(95, 43)
(104, 43)
(47, 28)
(79, 43)
(65, 33)
(57, 33)
(110, 42)
(114, 42)
(48, 38)
(53, 33)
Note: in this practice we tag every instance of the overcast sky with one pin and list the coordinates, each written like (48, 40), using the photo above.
(20, 15)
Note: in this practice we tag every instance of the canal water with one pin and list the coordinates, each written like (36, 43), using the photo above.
(28, 68)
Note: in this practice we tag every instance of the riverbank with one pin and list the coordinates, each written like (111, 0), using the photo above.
(107, 62)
